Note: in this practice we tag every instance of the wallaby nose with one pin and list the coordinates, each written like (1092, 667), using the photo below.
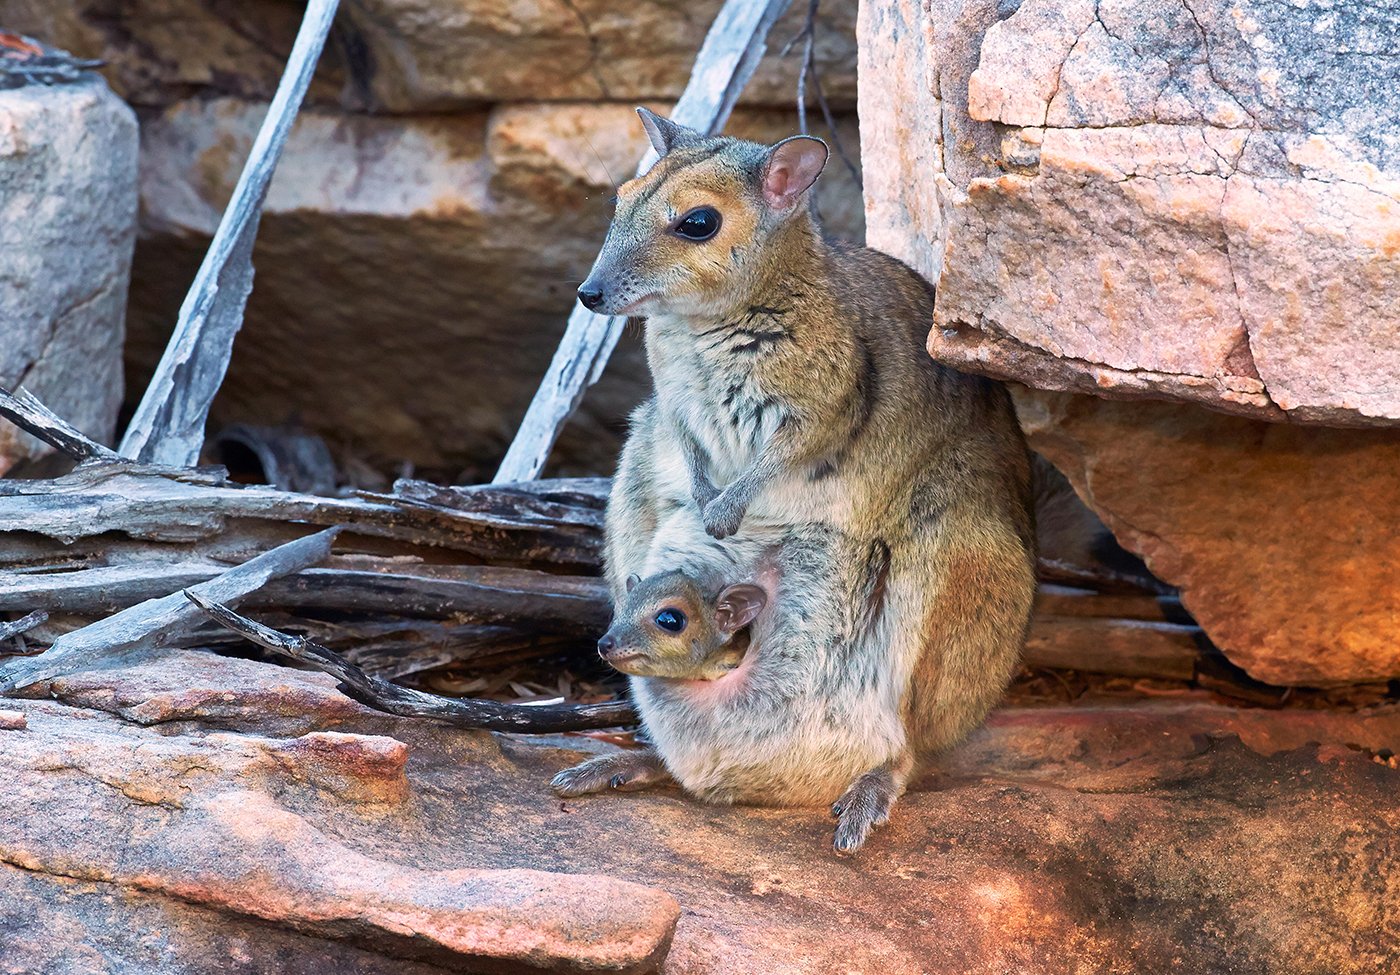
(591, 297)
(606, 645)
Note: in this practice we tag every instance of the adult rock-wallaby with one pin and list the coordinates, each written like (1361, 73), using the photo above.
(796, 411)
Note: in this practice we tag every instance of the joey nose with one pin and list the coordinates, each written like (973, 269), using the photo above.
(590, 297)
(606, 645)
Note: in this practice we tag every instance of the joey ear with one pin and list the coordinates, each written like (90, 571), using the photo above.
(793, 166)
(632, 581)
(664, 134)
(738, 606)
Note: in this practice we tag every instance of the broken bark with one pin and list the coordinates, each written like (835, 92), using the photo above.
(168, 427)
(8, 631)
(150, 624)
(22, 409)
(406, 702)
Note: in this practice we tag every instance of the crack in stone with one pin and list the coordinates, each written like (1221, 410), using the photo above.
(595, 53)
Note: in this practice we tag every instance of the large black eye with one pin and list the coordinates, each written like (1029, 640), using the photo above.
(671, 620)
(702, 223)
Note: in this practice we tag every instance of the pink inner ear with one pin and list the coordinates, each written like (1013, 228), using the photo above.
(793, 167)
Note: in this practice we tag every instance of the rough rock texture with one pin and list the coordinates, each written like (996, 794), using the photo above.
(413, 274)
(67, 223)
(252, 815)
(1187, 199)
(1282, 538)
(428, 55)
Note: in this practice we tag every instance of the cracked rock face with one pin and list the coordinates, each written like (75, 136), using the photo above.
(191, 814)
(67, 223)
(1196, 200)
(1282, 537)
(415, 56)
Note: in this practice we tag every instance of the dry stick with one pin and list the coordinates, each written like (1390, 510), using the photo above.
(726, 61)
(26, 412)
(168, 427)
(8, 631)
(156, 621)
(403, 701)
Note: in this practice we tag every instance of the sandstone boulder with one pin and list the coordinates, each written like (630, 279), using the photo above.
(1282, 538)
(429, 55)
(67, 224)
(413, 275)
(318, 836)
(1198, 202)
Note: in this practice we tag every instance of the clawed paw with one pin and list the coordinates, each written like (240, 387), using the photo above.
(861, 808)
(580, 780)
(620, 773)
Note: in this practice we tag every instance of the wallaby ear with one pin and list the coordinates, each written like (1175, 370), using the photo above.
(664, 134)
(632, 581)
(793, 166)
(738, 606)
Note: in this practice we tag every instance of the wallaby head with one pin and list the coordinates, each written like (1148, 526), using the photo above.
(665, 626)
(693, 235)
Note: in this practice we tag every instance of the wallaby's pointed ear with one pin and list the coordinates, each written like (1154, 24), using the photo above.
(793, 166)
(738, 606)
(632, 581)
(664, 134)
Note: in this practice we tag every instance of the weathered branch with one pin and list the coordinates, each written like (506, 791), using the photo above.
(406, 702)
(152, 623)
(561, 530)
(168, 427)
(8, 631)
(728, 58)
(26, 412)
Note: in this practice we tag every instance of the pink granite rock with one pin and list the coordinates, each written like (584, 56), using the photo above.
(1198, 202)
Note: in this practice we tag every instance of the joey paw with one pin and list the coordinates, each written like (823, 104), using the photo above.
(580, 780)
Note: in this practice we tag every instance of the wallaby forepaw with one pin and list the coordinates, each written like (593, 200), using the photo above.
(722, 516)
(704, 493)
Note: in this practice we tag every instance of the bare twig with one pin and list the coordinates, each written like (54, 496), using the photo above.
(8, 631)
(154, 622)
(728, 58)
(406, 702)
(26, 412)
(836, 142)
(168, 427)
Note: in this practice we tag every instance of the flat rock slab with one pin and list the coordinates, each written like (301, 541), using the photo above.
(321, 836)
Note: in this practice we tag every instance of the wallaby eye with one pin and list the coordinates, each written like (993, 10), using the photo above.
(702, 223)
(671, 620)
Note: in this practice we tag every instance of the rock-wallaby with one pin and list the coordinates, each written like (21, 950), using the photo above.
(796, 411)
(671, 626)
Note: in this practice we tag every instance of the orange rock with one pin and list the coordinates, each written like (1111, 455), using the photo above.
(1134, 838)
(1282, 538)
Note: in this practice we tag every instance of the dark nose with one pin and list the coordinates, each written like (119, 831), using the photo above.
(606, 645)
(591, 297)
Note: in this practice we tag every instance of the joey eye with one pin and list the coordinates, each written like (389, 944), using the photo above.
(702, 223)
(671, 620)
